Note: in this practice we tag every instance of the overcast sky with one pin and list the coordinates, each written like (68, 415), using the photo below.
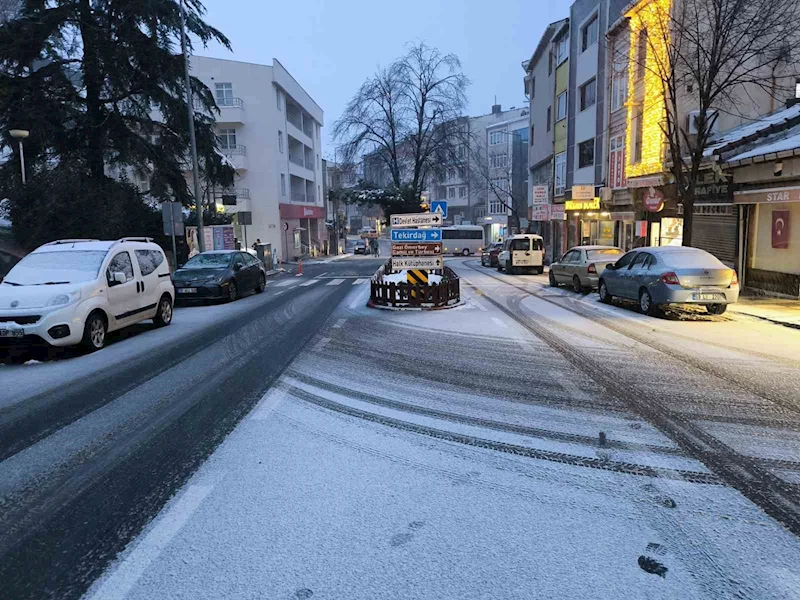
(332, 46)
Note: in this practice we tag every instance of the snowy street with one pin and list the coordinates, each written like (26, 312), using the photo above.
(530, 443)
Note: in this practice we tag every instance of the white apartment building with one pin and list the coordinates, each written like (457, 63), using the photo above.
(269, 128)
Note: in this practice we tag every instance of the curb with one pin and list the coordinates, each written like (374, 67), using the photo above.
(370, 304)
(768, 319)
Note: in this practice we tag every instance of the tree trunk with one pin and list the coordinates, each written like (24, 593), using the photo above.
(93, 83)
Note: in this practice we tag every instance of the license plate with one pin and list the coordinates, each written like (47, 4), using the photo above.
(705, 297)
(187, 290)
(12, 333)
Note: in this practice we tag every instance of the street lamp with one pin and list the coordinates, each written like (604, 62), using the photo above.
(20, 134)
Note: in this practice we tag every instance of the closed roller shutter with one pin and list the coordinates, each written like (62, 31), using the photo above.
(716, 233)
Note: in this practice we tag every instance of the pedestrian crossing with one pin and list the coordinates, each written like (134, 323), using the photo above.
(335, 282)
(330, 281)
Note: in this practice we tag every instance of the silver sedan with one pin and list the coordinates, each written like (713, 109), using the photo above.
(660, 276)
(581, 266)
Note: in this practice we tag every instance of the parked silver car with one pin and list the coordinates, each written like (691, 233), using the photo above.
(658, 276)
(580, 266)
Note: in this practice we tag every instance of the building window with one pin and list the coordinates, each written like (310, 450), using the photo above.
(549, 63)
(638, 132)
(641, 54)
(462, 192)
(588, 93)
(319, 162)
(451, 192)
(224, 94)
(560, 173)
(589, 33)
(279, 96)
(451, 174)
(280, 141)
(533, 87)
(227, 138)
(496, 206)
(283, 184)
(562, 49)
(586, 153)
(498, 161)
(561, 106)
(496, 137)
(462, 151)
(531, 135)
(549, 116)
(319, 193)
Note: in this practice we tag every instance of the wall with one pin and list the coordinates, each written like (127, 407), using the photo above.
(767, 258)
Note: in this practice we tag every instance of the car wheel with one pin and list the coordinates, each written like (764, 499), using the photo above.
(262, 284)
(646, 304)
(164, 313)
(499, 266)
(552, 278)
(577, 286)
(465, 252)
(233, 292)
(716, 309)
(94, 332)
(540, 270)
(603, 291)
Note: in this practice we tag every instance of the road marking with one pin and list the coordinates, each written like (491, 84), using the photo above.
(285, 282)
(124, 577)
(309, 282)
(335, 282)
(357, 301)
(321, 275)
(271, 400)
(499, 322)
(360, 281)
(339, 323)
(480, 305)
(320, 345)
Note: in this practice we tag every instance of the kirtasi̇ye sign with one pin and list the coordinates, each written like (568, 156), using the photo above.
(653, 200)
(593, 204)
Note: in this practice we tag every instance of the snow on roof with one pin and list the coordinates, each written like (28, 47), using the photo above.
(739, 133)
(76, 245)
(789, 142)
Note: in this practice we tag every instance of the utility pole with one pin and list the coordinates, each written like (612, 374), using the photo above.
(198, 200)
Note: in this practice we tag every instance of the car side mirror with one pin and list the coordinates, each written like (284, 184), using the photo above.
(611, 267)
(117, 278)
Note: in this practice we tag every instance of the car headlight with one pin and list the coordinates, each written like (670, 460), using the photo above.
(64, 299)
(220, 280)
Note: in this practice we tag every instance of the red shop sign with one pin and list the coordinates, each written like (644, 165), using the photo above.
(780, 229)
(653, 200)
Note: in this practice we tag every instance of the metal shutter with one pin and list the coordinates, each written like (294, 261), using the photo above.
(717, 234)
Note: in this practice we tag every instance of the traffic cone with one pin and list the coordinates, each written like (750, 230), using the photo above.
(299, 266)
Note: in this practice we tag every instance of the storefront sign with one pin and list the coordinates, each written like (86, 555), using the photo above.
(592, 204)
(540, 212)
(582, 192)
(645, 182)
(787, 194)
(616, 162)
(653, 200)
(540, 195)
(298, 211)
(780, 229)
(557, 213)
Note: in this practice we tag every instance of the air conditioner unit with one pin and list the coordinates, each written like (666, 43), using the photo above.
(691, 126)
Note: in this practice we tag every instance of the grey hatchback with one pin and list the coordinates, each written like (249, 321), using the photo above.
(658, 276)
(581, 266)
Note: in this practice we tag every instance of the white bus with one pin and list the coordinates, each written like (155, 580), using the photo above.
(462, 239)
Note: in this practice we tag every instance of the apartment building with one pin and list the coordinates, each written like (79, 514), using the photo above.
(270, 130)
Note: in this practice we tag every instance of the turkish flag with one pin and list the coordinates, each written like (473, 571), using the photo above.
(780, 229)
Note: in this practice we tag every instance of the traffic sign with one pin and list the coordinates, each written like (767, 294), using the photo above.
(416, 249)
(416, 220)
(417, 262)
(439, 206)
(416, 235)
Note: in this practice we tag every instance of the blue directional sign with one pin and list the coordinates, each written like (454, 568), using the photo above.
(439, 206)
(416, 235)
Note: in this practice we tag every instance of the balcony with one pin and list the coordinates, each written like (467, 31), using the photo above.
(296, 159)
(237, 156)
(309, 163)
(298, 196)
(231, 110)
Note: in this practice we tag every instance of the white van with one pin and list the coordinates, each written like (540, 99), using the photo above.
(75, 291)
(524, 251)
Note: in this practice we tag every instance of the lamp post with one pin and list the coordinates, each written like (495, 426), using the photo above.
(20, 134)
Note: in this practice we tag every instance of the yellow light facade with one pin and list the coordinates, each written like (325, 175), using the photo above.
(646, 93)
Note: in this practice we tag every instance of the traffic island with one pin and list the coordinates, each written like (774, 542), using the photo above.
(410, 289)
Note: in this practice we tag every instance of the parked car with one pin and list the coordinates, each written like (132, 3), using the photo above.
(580, 266)
(490, 254)
(219, 275)
(360, 247)
(523, 251)
(660, 276)
(76, 291)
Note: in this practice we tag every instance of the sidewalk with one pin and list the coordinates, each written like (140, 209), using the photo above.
(776, 310)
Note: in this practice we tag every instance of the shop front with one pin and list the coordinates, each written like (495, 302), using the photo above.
(303, 229)
(771, 219)
(588, 224)
(659, 216)
(715, 220)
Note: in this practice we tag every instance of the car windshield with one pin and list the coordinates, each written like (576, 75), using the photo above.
(691, 259)
(63, 266)
(208, 261)
(609, 254)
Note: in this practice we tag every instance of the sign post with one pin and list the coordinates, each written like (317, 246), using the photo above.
(439, 206)
(172, 217)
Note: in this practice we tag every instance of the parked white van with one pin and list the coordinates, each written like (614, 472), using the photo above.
(75, 291)
(524, 251)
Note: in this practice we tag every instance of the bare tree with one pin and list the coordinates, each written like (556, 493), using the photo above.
(8, 9)
(400, 116)
(708, 57)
